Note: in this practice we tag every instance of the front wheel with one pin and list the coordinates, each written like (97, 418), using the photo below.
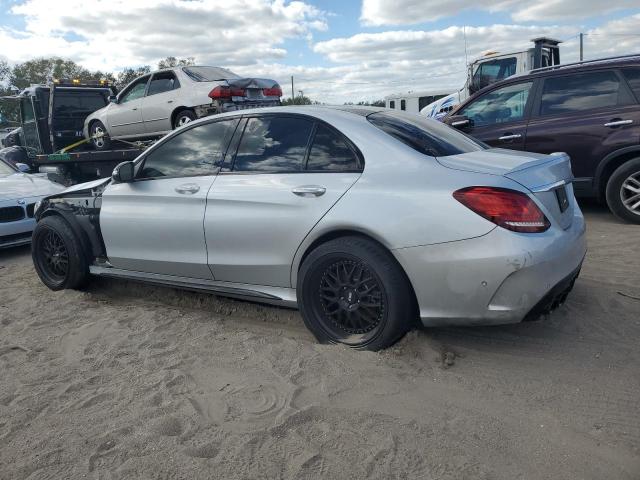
(623, 191)
(58, 256)
(352, 291)
(99, 136)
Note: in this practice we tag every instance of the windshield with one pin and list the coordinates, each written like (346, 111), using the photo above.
(5, 169)
(208, 74)
(425, 135)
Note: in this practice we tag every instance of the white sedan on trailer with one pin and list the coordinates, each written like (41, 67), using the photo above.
(154, 104)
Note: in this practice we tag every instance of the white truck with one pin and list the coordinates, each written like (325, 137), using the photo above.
(495, 66)
(413, 101)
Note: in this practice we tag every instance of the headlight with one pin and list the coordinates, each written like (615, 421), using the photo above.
(37, 207)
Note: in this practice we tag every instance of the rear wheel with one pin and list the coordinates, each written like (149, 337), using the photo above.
(99, 136)
(58, 256)
(623, 191)
(352, 291)
(183, 117)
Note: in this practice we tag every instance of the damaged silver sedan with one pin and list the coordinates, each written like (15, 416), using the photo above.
(156, 103)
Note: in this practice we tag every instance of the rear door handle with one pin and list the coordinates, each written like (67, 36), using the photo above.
(134, 109)
(187, 188)
(309, 191)
(509, 136)
(618, 123)
(169, 101)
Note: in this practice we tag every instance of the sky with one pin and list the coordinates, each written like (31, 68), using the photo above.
(336, 50)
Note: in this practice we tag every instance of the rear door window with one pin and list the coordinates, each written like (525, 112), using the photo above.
(163, 82)
(584, 91)
(195, 151)
(633, 79)
(331, 153)
(273, 144)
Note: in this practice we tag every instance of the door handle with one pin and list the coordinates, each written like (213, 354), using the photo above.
(618, 123)
(134, 109)
(309, 191)
(509, 136)
(187, 188)
(169, 101)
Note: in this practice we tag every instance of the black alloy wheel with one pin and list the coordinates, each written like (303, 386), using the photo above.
(352, 291)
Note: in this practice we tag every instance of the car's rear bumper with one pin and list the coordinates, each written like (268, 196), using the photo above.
(501, 277)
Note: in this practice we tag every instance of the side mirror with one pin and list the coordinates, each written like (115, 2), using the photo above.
(23, 167)
(113, 98)
(460, 122)
(123, 173)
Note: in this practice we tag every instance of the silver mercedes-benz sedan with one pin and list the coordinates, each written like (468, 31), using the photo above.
(365, 219)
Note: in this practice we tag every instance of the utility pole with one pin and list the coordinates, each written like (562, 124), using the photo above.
(581, 45)
(293, 95)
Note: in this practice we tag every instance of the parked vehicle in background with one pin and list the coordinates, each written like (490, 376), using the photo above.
(154, 104)
(589, 110)
(412, 102)
(493, 67)
(51, 120)
(299, 206)
(19, 193)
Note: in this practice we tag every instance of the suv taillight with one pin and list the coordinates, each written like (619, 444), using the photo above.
(507, 208)
(223, 91)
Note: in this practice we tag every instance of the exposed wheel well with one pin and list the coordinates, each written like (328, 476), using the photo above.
(609, 168)
(175, 112)
(353, 233)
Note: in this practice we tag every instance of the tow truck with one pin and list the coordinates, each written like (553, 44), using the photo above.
(495, 66)
(50, 139)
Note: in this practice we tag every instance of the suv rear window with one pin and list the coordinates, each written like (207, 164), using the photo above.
(424, 135)
(583, 91)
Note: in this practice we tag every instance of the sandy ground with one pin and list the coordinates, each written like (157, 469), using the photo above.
(125, 381)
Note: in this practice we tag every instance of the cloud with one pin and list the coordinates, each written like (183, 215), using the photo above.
(118, 33)
(408, 12)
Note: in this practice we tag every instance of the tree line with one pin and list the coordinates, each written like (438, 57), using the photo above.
(43, 70)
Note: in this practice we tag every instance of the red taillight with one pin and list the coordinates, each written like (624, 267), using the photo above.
(223, 91)
(509, 209)
(272, 92)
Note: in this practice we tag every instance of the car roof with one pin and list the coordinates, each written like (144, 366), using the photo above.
(611, 62)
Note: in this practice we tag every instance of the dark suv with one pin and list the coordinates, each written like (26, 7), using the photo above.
(590, 110)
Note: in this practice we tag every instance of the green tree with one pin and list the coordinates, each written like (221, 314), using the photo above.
(176, 62)
(43, 70)
(299, 100)
(127, 75)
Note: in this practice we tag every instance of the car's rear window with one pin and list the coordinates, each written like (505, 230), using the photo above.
(208, 74)
(425, 135)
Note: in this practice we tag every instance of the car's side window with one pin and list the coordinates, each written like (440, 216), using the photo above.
(585, 91)
(633, 79)
(330, 153)
(506, 104)
(135, 91)
(195, 151)
(273, 144)
(163, 82)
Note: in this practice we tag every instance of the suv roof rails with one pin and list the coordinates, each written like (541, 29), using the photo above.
(585, 62)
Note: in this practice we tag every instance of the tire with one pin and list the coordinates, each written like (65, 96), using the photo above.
(338, 277)
(54, 235)
(623, 191)
(99, 136)
(183, 117)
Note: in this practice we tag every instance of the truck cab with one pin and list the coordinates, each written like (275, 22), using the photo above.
(495, 66)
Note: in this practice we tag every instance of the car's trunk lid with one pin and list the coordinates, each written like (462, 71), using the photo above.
(548, 177)
(254, 90)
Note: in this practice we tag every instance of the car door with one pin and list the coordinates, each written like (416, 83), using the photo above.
(154, 224)
(125, 116)
(159, 102)
(266, 200)
(587, 115)
(499, 117)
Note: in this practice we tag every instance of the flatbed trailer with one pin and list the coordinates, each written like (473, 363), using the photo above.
(76, 167)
